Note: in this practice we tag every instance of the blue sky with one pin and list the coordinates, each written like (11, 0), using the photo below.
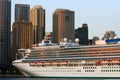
(100, 15)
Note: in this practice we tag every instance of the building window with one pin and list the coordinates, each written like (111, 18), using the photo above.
(67, 18)
(1, 40)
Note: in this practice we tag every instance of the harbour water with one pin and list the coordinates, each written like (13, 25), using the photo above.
(56, 79)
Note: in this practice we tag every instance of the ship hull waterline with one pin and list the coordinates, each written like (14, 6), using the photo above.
(64, 72)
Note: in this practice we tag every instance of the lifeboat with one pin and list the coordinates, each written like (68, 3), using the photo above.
(98, 62)
(47, 63)
(115, 61)
(105, 61)
(55, 62)
(39, 63)
(64, 62)
(32, 63)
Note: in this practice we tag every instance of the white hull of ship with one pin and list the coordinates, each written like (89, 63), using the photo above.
(38, 71)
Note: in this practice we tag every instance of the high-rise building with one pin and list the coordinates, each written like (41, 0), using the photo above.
(37, 17)
(63, 25)
(82, 34)
(22, 12)
(5, 27)
(22, 36)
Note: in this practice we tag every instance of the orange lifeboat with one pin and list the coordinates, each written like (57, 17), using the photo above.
(105, 61)
(33, 63)
(47, 63)
(115, 61)
(39, 63)
(98, 62)
(55, 62)
(64, 62)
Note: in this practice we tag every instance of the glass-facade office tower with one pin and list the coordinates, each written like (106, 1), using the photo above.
(63, 25)
(5, 27)
(22, 12)
(37, 17)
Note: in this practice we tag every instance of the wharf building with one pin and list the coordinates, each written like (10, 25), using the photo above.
(82, 34)
(5, 29)
(37, 17)
(22, 36)
(22, 12)
(63, 25)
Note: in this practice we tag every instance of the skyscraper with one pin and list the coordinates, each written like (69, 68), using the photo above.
(5, 27)
(22, 12)
(63, 25)
(82, 34)
(37, 17)
(22, 36)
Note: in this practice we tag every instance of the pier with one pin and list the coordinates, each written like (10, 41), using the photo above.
(10, 72)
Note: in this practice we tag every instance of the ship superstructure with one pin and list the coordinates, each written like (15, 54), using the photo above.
(70, 61)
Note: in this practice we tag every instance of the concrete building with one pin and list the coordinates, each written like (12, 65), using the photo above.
(63, 25)
(37, 17)
(82, 34)
(22, 36)
(5, 27)
(22, 12)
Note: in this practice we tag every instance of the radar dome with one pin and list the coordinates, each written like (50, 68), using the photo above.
(76, 40)
(65, 39)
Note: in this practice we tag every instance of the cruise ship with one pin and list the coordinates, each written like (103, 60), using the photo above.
(70, 60)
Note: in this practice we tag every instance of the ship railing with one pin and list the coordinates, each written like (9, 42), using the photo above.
(47, 63)
(68, 63)
(108, 62)
(57, 64)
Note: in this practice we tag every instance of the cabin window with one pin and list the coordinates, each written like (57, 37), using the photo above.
(78, 70)
(67, 18)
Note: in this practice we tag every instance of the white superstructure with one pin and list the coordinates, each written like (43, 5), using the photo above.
(67, 71)
(80, 61)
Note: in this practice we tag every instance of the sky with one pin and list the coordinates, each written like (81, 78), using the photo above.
(100, 15)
